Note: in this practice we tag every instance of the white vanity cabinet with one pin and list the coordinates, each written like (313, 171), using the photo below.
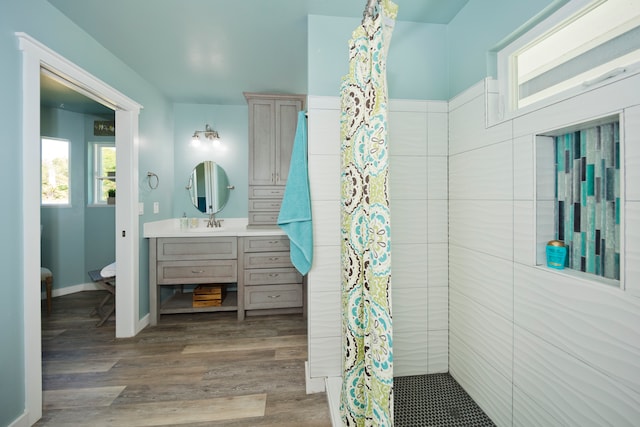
(191, 261)
(271, 283)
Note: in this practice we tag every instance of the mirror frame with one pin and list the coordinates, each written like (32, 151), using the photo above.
(209, 185)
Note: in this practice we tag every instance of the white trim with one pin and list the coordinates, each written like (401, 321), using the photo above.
(34, 56)
(334, 385)
(82, 287)
(313, 385)
(21, 421)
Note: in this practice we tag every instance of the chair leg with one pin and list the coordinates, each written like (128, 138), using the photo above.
(49, 286)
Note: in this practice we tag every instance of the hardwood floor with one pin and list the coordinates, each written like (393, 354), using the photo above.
(204, 369)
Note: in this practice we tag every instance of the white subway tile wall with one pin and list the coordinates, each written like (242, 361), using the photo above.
(533, 346)
(418, 134)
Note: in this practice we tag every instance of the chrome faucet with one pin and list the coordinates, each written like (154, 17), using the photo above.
(213, 222)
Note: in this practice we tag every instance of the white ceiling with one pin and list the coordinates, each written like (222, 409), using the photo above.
(210, 51)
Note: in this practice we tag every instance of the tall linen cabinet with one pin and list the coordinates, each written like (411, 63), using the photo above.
(273, 119)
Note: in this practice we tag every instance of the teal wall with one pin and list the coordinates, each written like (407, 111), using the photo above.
(46, 24)
(425, 61)
(476, 30)
(232, 124)
(71, 234)
(416, 66)
(99, 221)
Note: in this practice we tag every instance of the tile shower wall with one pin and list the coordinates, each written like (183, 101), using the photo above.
(588, 198)
(536, 347)
(418, 170)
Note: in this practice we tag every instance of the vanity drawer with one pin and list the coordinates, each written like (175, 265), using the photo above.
(266, 243)
(271, 276)
(197, 248)
(272, 296)
(181, 272)
(264, 218)
(267, 260)
(266, 192)
(265, 205)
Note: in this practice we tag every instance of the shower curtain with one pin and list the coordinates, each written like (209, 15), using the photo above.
(367, 371)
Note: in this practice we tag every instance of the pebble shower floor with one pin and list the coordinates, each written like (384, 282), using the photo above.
(435, 400)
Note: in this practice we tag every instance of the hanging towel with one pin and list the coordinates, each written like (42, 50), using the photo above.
(295, 212)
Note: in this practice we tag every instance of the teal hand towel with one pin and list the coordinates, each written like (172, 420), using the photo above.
(295, 212)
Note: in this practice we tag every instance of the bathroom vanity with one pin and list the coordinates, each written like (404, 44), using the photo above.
(253, 267)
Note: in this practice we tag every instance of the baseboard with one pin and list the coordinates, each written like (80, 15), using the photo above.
(334, 385)
(143, 323)
(21, 421)
(313, 385)
(58, 292)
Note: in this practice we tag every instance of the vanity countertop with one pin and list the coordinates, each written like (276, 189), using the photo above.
(230, 227)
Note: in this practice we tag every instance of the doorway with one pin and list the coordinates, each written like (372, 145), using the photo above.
(36, 56)
(77, 223)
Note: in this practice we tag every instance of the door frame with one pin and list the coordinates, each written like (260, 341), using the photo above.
(35, 56)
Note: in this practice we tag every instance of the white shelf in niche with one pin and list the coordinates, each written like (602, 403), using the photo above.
(589, 278)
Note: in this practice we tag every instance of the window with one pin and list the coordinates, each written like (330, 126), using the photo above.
(104, 172)
(55, 172)
(583, 44)
(579, 198)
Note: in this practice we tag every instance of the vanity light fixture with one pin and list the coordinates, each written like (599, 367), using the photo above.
(208, 133)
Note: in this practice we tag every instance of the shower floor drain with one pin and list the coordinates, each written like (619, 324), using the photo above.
(435, 400)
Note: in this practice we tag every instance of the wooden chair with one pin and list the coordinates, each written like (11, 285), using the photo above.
(46, 277)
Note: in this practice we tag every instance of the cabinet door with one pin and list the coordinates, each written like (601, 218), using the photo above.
(262, 140)
(286, 123)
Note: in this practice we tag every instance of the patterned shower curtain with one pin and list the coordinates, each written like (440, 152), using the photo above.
(367, 345)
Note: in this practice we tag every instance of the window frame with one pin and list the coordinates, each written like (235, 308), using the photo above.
(506, 71)
(96, 179)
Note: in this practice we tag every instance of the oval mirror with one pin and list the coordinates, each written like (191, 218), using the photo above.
(208, 187)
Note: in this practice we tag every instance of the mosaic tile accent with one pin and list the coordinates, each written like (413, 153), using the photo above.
(588, 198)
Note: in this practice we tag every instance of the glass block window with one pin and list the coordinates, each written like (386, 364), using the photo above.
(588, 198)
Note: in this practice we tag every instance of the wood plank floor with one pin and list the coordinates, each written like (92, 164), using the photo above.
(204, 369)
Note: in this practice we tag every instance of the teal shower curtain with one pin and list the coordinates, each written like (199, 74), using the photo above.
(367, 344)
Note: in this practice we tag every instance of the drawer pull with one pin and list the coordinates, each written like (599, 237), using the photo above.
(274, 296)
(197, 271)
(274, 242)
(273, 274)
(274, 258)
